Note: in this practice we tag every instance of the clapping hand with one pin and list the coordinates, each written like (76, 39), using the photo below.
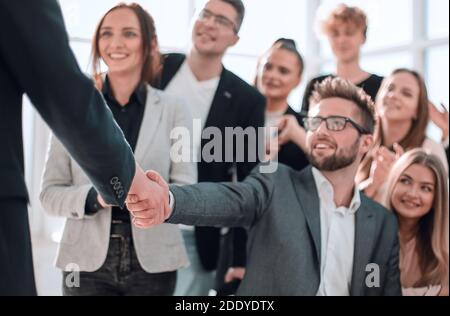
(383, 159)
(291, 131)
(441, 119)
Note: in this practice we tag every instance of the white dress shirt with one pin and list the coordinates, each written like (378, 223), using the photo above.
(198, 95)
(337, 226)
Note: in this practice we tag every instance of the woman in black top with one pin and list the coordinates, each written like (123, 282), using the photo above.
(346, 29)
(279, 73)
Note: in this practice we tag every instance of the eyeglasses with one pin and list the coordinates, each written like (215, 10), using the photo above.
(220, 20)
(334, 123)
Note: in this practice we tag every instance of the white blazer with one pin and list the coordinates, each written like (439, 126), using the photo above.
(85, 240)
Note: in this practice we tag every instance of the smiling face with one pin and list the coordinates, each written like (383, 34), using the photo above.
(413, 194)
(398, 99)
(210, 37)
(279, 74)
(120, 42)
(333, 150)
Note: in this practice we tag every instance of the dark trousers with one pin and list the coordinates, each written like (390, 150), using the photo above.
(16, 260)
(224, 263)
(121, 274)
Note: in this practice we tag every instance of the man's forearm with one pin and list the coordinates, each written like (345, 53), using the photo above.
(210, 204)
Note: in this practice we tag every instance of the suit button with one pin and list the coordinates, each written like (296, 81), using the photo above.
(74, 215)
(120, 194)
(114, 180)
(117, 186)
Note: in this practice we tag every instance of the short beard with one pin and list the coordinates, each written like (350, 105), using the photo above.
(336, 161)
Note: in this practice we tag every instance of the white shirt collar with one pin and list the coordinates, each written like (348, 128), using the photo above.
(326, 192)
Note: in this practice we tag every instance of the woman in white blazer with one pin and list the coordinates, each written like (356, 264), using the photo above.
(111, 256)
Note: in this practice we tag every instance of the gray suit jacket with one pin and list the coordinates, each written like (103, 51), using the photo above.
(65, 187)
(282, 212)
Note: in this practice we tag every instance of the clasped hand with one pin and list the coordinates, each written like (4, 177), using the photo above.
(148, 200)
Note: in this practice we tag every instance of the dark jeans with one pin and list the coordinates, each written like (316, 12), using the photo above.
(16, 262)
(121, 274)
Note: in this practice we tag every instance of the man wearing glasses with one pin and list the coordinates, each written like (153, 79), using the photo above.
(220, 99)
(310, 232)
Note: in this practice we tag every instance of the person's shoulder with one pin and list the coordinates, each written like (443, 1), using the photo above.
(285, 172)
(173, 59)
(280, 171)
(378, 209)
(320, 78)
(323, 77)
(375, 79)
(168, 100)
(241, 87)
(291, 111)
(431, 145)
(174, 56)
(312, 82)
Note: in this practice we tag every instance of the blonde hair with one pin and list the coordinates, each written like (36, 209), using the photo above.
(432, 239)
(345, 14)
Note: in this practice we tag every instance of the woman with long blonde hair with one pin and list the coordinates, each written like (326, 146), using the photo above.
(402, 119)
(418, 194)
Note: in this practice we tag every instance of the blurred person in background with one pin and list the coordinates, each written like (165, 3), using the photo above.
(346, 30)
(402, 120)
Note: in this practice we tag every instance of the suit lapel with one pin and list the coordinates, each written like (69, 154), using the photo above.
(220, 107)
(172, 63)
(364, 239)
(308, 198)
(152, 119)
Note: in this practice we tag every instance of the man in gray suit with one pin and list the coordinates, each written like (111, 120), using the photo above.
(310, 232)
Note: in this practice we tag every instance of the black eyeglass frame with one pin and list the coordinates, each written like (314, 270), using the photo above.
(328, 122)
(218, 19)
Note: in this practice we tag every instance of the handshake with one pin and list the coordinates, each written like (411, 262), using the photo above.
(148, 199)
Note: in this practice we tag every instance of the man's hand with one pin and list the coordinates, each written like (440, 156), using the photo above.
(151, 207)
(234, 274)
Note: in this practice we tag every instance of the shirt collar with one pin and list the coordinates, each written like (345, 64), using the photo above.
(139, 94)
(326, 192)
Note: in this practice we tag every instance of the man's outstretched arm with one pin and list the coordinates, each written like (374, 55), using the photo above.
(36, 54)
(207, 204)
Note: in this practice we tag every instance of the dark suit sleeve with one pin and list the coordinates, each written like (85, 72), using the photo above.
(239, 248)
(35, 47)
(392, 286)
(222, 204)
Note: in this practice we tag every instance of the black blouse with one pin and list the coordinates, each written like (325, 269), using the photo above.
(371, 86)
